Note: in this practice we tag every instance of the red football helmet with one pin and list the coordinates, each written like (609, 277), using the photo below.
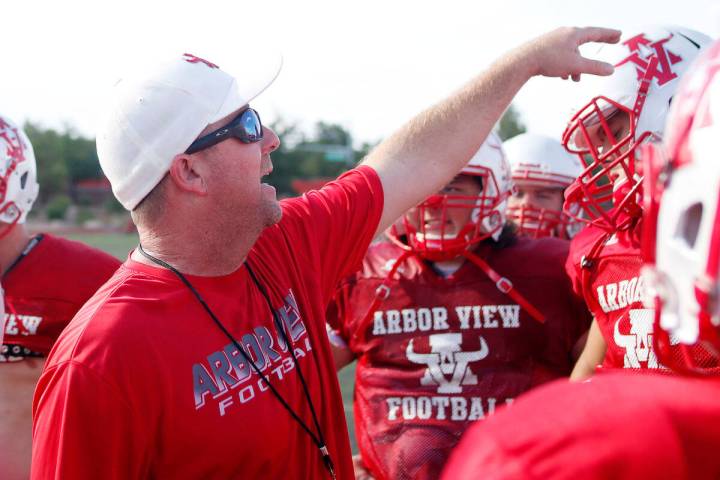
(487, 209)
(681, 238)
(629, 108)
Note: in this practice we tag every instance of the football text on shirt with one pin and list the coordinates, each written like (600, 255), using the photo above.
(226, 373)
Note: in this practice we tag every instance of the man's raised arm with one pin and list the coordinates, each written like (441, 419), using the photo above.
(428, 151)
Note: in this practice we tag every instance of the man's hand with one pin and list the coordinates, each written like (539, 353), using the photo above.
(425, 154)
(556, 53)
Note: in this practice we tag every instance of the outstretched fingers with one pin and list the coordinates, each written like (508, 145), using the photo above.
(598, 34)
(594, 67)
(556, 53)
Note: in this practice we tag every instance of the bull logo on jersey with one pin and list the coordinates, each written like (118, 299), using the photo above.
(446, 359)
(643, 49)
(638, 344)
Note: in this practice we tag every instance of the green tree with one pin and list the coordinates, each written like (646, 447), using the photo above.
(332, 134)
(510, 124)
(325, 154)
(62, 159)
(52, 170)
(81, 158)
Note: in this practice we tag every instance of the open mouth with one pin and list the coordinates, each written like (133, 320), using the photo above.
(436, 224)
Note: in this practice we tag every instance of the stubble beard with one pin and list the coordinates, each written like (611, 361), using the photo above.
(272, 213)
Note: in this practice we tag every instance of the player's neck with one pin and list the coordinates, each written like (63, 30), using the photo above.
(12, 245)
(194, 251)
(448, 267)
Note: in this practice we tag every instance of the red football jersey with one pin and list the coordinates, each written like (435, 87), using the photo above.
(45, 290)
(440, 353)
(143, 384)
(613, 289)
(617, 425)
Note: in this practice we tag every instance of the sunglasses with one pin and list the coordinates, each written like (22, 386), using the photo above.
(246, 127)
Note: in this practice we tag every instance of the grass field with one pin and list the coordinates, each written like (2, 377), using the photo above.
(119, 245)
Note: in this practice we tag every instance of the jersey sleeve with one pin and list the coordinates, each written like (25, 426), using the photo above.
(330, 229)
(83, 428)
(337, 315)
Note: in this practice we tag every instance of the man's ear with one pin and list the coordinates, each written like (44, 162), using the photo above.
(186, 173)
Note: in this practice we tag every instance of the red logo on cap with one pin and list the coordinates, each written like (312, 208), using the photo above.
(189, 57)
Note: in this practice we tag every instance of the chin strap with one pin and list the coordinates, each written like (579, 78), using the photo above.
(587, 263)
(382, 292)
(505, 286)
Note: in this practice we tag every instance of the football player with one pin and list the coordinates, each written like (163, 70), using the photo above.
(541, 170)
(46, 280)
(622, 425)
(448, 323)
(627, 110)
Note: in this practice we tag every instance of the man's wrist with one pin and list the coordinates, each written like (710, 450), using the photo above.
(524, 59)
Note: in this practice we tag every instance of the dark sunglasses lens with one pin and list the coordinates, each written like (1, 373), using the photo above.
(252, 128)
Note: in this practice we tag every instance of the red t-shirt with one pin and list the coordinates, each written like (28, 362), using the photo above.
(618, 425)
(45, 290)
(614, 290)
(143, 384)
(440, 353)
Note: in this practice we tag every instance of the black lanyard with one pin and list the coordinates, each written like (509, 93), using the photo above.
(26, 251)
(319, 439)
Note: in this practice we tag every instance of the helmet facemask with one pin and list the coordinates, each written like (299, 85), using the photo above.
(648, 67)
(541, 171)
(432, 229)
(536, 222)
(603, 135)
(681, 233)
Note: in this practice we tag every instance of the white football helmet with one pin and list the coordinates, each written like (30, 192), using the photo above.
(682, 224)
(487, 218)
(648, 66)
(18, 179)
(540, 161)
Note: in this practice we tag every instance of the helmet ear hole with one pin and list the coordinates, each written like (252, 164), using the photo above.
(23, 180)
(479, 181)
(689, 224)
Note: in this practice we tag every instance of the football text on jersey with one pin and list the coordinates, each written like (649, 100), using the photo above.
(619, 295)
(16, 325)
(448, 368)
(409, 320)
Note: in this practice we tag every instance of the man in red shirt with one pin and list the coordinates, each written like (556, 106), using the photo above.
(46, 280)
(622, 425)
(206, 355)
(626, 110)
(440, 342)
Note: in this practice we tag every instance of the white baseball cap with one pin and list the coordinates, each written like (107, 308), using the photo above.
(159, 112)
